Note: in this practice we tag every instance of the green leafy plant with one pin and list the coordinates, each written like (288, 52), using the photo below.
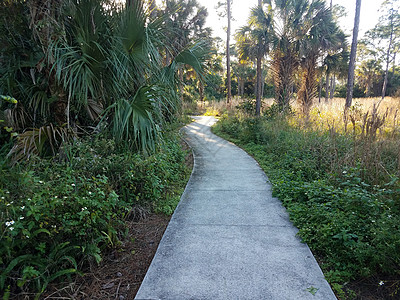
(348, 217)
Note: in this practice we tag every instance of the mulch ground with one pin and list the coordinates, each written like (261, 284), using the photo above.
(121, 272)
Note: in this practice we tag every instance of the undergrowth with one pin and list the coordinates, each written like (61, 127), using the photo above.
(58, 215)
(341, 190)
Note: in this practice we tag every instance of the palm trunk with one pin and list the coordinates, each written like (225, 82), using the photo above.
(350, 75)
(228, 55)
(326, 86)
(201, 90)
(308, 88)
(333, 86)
(258, 84)
(320, 91)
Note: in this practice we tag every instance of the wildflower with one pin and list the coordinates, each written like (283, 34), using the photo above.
(344, 172)
(65, 197)
(90, 193)
(29, 199)
(55, 197)
(84, 208)
(21, 218)
(40, 181)
(73, 184)
(23, 207)
(27, 236)
(11, 228)
(381, 282)
(2, 198)
(7, 192)
(10, 223)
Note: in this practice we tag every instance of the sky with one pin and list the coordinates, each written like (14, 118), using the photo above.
(241, 10)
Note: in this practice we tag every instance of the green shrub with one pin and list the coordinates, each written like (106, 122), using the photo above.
(345, 212)
(57, 216)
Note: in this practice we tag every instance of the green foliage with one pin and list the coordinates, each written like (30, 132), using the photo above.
(349, 218)
(57, 216)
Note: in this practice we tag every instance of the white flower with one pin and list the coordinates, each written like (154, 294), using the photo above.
(10, 223)
(65, 197)
(7, 192)
(29, 199)
(84, 208)
(73, 184)
(55, 197)
(11, 228)
(21, 218)
(27, 236)
(2, 198)
(90, 193)
(23, 207)
(381, 282)
(40, 181)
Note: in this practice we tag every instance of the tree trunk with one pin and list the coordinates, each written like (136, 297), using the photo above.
(258, 85)
(326, 86)
(258, 80)
(262, 87)
(308, 87)
(201, 90)
(353, 53)
(320, 91)
(228, 55)
(333, 86)
(388, 58)
(394, 64)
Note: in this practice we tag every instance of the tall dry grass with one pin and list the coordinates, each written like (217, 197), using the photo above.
(371, 125)
(367, 116)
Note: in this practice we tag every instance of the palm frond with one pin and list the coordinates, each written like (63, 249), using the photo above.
(45, 140)
(133, 122)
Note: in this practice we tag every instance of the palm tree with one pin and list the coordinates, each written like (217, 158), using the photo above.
(320, 35)
(253, 42)
(288, 23)
(95, 59)
(228, 55)
(353, 53)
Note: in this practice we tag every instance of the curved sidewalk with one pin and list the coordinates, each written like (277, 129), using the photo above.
(229, 238)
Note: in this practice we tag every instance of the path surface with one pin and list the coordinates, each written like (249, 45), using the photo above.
(229, 238)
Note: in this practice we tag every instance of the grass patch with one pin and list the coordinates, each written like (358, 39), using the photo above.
(341, 190)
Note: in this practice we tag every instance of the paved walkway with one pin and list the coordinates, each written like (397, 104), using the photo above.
(229, 238)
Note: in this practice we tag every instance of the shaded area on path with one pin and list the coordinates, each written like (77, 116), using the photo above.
(229, 238)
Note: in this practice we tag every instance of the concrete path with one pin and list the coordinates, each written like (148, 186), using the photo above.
(229, 238)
